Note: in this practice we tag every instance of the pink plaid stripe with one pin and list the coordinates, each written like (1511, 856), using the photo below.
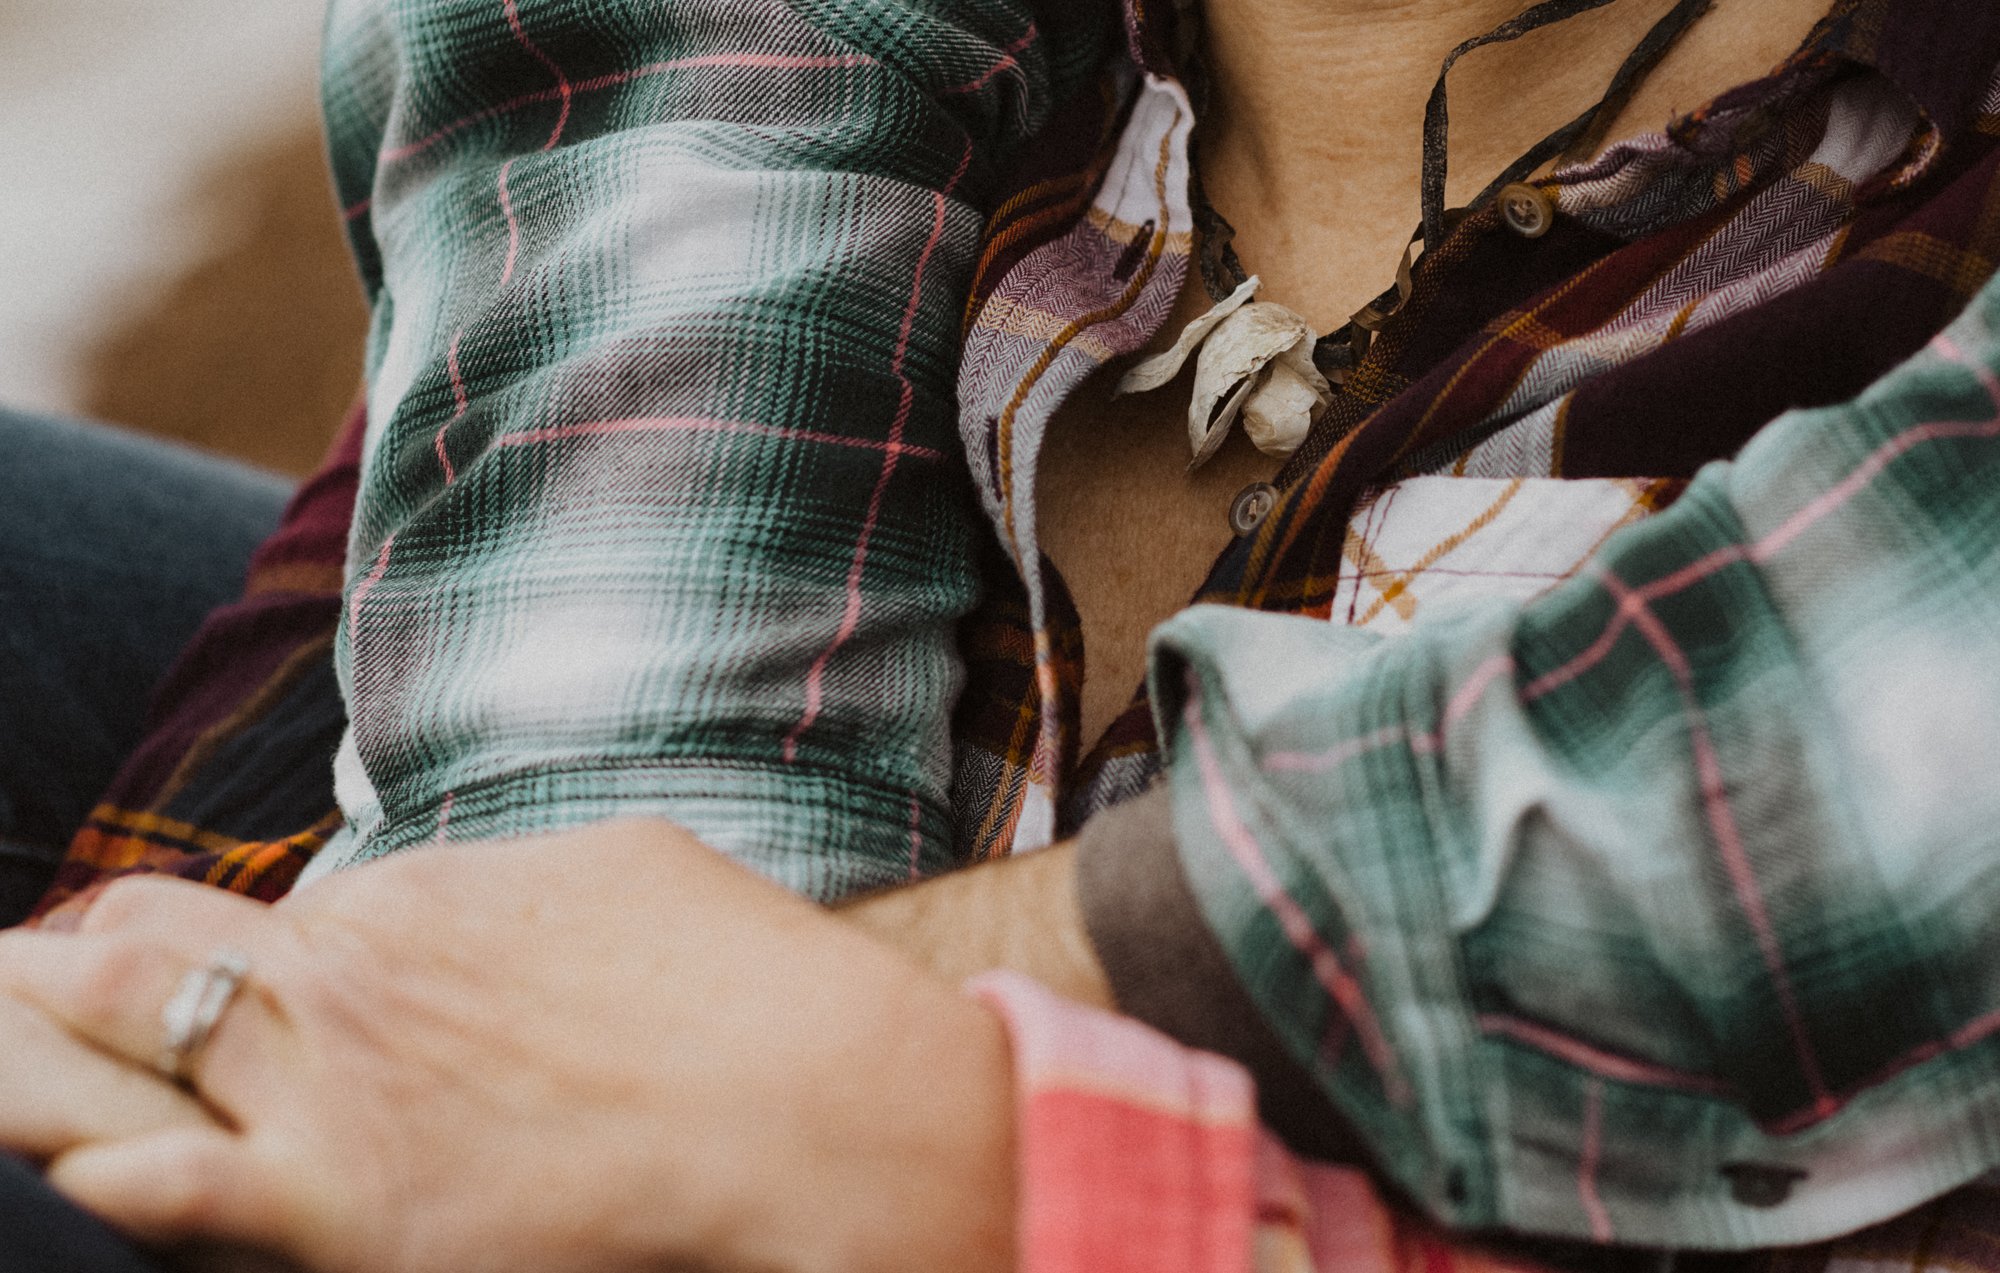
(1138, 1155)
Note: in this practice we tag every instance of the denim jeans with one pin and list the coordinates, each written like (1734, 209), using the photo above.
(112, 550)
(43, 1232)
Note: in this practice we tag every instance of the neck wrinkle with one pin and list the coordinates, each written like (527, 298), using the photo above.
(1346, 80)
(1312, 144)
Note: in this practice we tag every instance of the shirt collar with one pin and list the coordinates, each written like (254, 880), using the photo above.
(1904, 40)
(1156, 32)
(1945, 79)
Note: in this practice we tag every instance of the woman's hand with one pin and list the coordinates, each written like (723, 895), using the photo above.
(611, 1049)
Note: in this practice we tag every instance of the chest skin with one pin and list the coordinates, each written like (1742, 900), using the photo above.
(1132, 531)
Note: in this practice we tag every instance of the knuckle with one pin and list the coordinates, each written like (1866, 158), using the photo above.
(207, 1192)
(217, 1196)
(192, 1194)
(122, 901)
(109, 980)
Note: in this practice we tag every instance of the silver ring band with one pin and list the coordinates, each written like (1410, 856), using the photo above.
(191, 1015)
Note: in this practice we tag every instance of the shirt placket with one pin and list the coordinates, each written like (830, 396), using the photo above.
(1097, 292)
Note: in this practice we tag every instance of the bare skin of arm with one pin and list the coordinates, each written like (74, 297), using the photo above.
(1020, 914)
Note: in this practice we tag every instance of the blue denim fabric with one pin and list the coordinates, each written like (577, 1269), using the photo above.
(112, 550)
(42, 1231)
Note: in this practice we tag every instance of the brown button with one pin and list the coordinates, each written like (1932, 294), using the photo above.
(1251, 506)
(1528, 212)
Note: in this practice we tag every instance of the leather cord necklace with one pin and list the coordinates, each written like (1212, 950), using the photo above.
(1339, 351)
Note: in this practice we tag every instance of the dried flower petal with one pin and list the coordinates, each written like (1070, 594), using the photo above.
(1255, 361)
(1160, 368)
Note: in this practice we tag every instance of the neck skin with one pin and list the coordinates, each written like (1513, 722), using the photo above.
(1313, 146)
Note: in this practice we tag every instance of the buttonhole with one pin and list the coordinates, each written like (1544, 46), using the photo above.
(1135, 252)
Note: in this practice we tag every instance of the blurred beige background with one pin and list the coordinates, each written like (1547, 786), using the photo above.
(170, 258)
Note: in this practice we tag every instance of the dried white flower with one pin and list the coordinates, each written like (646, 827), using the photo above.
(1255, 361)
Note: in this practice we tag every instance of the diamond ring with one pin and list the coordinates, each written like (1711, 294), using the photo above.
(191, 1015)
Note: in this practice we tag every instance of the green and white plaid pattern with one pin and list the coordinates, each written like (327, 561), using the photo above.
(1659, 909)
(663, 509)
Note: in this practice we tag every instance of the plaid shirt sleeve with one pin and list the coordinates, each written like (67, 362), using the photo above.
(1138, 1155)
(662, 508)
(1660, 909)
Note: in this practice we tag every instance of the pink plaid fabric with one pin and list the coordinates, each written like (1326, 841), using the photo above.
(1138, 1155)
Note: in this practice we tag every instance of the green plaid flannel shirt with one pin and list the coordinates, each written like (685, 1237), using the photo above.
(663, 508)
(1659, 910)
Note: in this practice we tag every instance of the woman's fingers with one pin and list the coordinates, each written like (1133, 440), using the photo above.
(95, 1032)
(57, 1093)
(173, 911)
(175, 1185)
(113, 991)
(111, 981)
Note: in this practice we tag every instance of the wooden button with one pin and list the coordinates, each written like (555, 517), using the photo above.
(1251, 506)
(1527, 211)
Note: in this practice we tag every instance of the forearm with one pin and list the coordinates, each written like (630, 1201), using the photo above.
(1108, 920)
(1020, 913)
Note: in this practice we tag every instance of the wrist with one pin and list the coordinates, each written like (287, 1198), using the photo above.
(900, 1157)
(1020, 913)
(941, 1173)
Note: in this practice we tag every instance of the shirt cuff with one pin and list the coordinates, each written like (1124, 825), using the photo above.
(1167, 969)
(1134, 1154)
(1138, 1155)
